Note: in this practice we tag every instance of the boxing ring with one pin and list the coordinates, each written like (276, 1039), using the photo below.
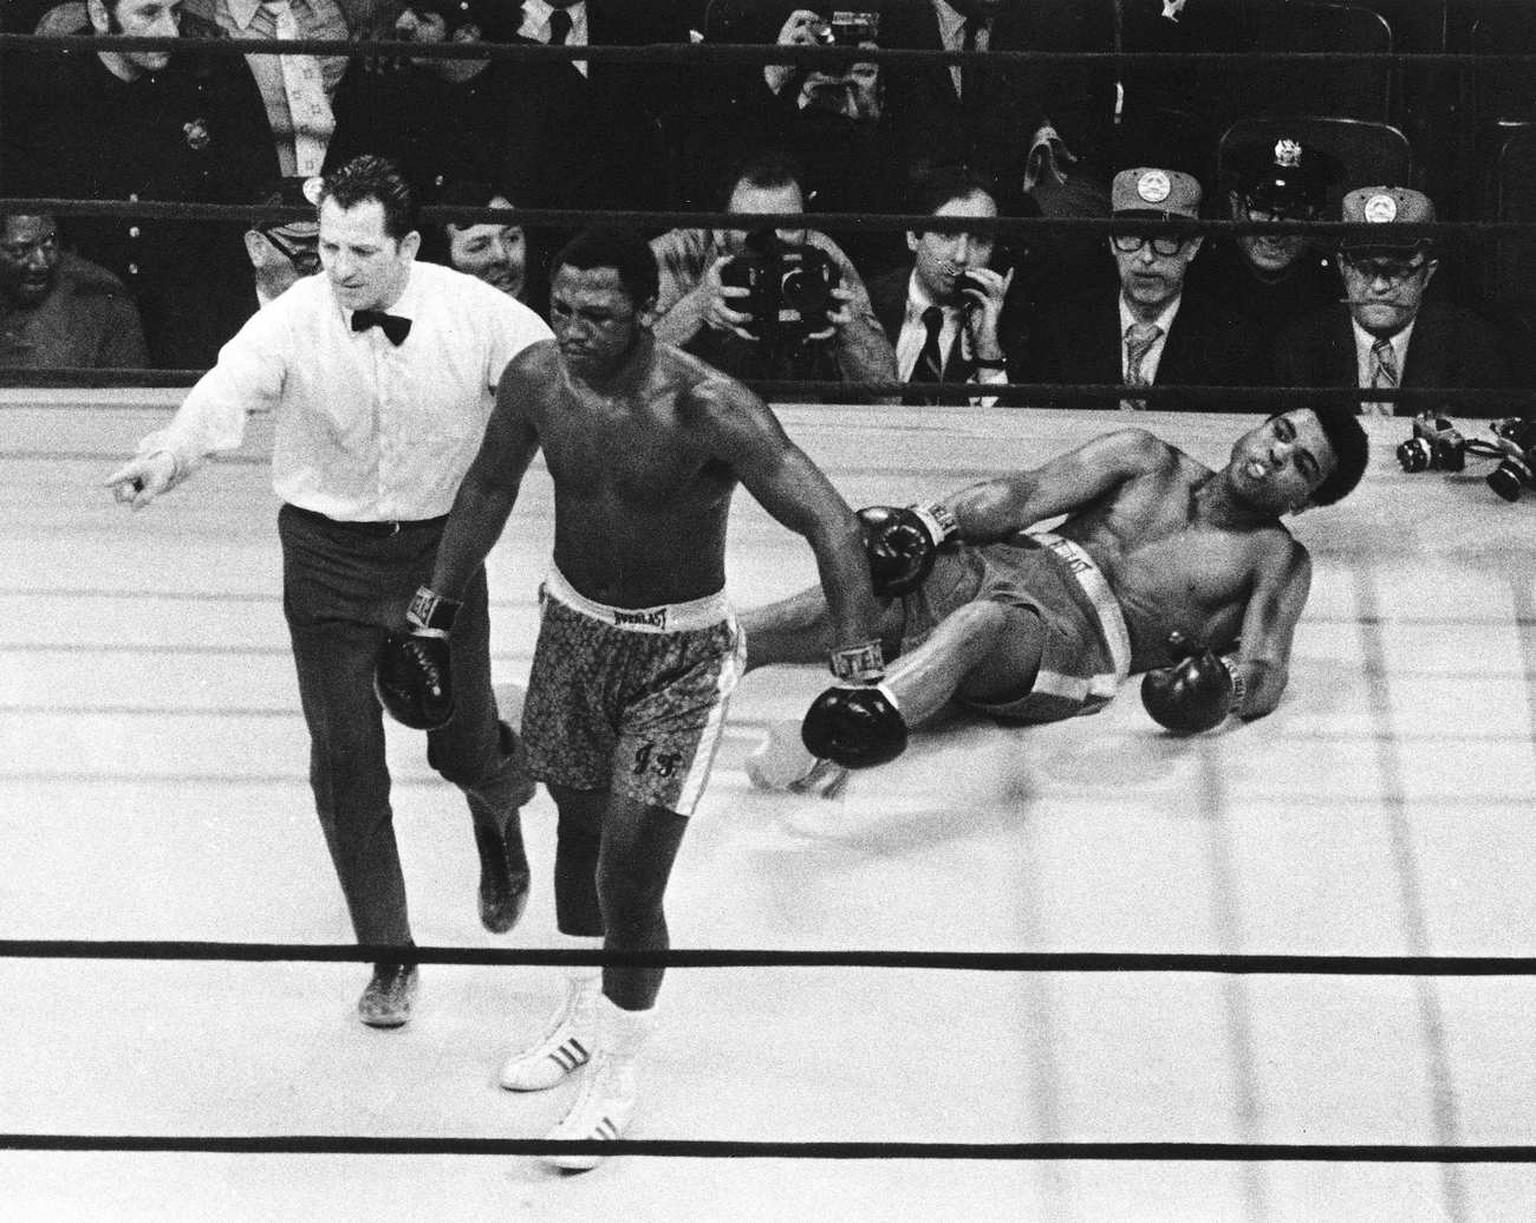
(985, 1065)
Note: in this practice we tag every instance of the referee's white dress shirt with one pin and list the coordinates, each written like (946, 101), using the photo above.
(364, 431)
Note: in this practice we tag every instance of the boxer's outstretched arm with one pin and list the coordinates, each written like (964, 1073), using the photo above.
(490, 486)
(1000, 508)
(798, 494)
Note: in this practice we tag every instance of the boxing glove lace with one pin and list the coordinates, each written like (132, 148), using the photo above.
(901, 544)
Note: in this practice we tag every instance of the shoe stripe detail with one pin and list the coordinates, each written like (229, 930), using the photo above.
(569, 1055)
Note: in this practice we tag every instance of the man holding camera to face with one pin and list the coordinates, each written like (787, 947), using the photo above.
(771, 304)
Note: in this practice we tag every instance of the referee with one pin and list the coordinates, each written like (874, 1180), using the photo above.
(381, 375)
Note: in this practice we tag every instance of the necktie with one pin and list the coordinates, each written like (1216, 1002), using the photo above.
(963, 74)
(930, 361)
(970, 78)
(394, 327)
(560, 24)
(308, 107)
(1384, 375)
(1139, 338)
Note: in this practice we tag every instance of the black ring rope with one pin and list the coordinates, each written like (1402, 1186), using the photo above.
(188, 210)
(1033, 395)
(704, 1148)
(1227, 963)
(690, 53)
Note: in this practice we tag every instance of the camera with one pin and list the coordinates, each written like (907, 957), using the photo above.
(848, 29)
(1436, 445)
(1517, 440)
(789, 287)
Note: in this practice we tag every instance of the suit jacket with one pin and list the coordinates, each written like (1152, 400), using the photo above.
(888, 296)
(1207, 345)
(602, 138)
(993, 130)
(1450, 347)
(195, 132)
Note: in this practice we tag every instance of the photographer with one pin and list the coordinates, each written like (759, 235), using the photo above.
(830, 118)
(705, 304)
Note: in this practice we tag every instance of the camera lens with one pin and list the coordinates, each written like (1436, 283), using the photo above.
(1506, 478)
(1414, 454)
(805, 293)
(1450, 456)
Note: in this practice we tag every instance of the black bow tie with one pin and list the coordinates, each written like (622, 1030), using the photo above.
(394, 327)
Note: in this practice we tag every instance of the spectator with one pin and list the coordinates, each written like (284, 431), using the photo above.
(283, 252)
(601, 126)
(953, 316)
(1270, 279)
(1385, 333)
(57, 310)
(297, 90)
(698, 311)
(1152, 330)
(1040, 129)
(1172, 112)
(503, 254)
(830, 119)
(151, 126)
(443, 120)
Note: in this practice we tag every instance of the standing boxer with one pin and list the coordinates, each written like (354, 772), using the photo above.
(638, 648)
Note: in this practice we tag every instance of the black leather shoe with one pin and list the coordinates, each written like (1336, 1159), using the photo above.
(386, 1003)
(504, 876)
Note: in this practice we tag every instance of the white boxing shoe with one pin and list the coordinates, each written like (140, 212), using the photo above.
(783, 763)
(602, 1111)
(566, 1045)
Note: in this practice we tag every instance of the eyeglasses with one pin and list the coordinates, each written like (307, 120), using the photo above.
(1393, 271)
(304, 257)
(1160, 246)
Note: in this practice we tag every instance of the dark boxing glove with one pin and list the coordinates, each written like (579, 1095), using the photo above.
(901, 544)
(855, 725)
(413, 676)
(1194, 694)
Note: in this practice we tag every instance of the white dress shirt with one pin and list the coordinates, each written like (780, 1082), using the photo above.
(536, 26)
(364, 430)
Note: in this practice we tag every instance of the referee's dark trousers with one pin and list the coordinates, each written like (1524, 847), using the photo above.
(345, 585)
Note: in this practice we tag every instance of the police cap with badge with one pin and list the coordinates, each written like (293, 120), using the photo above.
(1387, 207)
(1155, 194)
(1283, 175)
